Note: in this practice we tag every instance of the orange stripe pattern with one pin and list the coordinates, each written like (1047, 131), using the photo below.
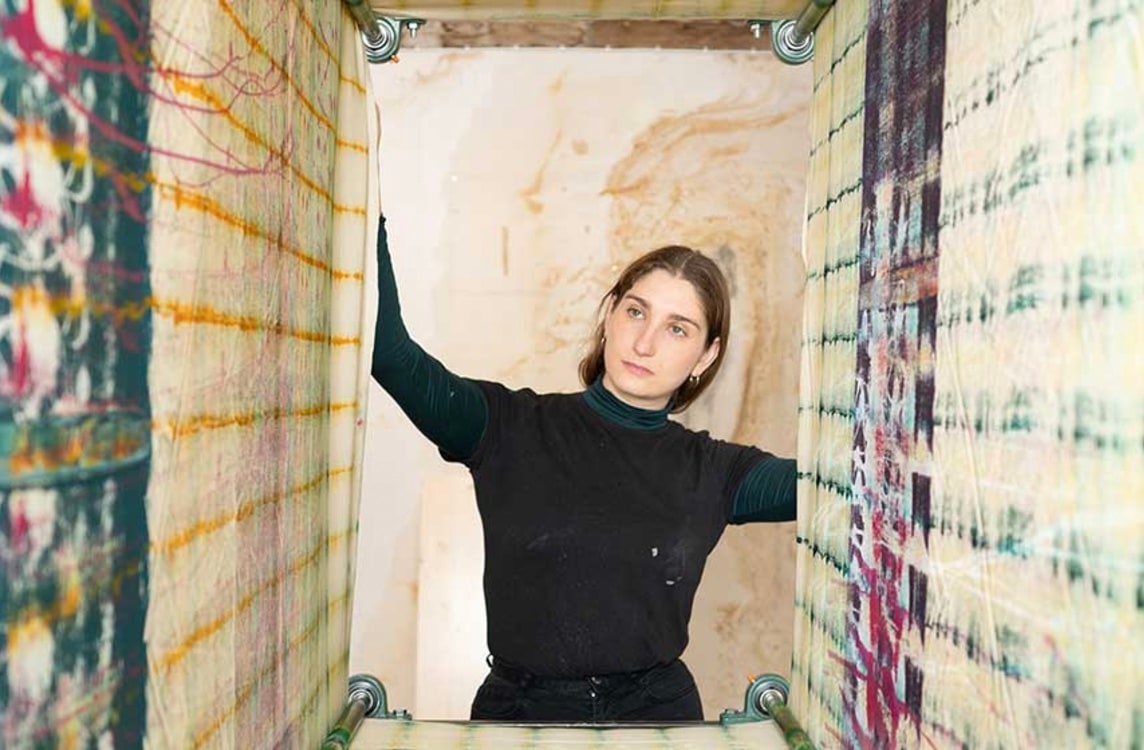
(246, 510)
(261, 163)
(173, 657)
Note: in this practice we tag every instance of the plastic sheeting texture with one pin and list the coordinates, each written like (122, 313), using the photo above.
(972, 405)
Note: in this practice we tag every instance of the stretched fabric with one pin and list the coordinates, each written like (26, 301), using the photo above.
(260, 237)
(186, 213)
(829, 354)
(578, 9)
(74, 397)
(387, 734)
(972, 407)
(1036, 542)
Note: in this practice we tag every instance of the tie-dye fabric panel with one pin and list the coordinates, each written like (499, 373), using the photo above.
(1034, 557)
(260, 235)
(187, 199)
(975, 580)
(893, 400)
(829, 356)
(74, 350)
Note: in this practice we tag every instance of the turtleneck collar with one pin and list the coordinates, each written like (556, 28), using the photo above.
(604, 403)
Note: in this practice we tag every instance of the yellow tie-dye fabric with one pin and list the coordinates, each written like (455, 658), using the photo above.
(262, 221)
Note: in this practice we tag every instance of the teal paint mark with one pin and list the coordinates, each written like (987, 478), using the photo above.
(840, 58)
(838, 128)
(840, 565)
(843, 488)
(843, 264)
(832, 339)
(824, 410)
(833, 200)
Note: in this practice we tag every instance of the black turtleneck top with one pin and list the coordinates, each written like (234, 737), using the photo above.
(598, 517)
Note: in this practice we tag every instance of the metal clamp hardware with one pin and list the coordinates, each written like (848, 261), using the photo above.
(789, 44)
(366, 700)
(753, 708)
(793, 39)
(766, 699)
(384, 40)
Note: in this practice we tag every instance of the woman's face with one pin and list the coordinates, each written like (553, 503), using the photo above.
(655, 338)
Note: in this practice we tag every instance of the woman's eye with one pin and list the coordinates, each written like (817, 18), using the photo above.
(678, 331)
(635, 312)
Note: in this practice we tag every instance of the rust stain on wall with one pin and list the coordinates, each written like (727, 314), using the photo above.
(445, 67)
(529, 194)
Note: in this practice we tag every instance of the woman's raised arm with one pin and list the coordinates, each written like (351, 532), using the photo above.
(449, 410)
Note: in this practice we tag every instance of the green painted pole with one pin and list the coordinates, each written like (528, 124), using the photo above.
(366, 699)
(809, 19)
(776, 707)
(346, 726)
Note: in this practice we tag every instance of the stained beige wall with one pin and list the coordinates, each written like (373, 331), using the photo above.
(517, 183)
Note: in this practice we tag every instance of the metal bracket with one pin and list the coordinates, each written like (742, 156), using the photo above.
(371, 692)
(384, 42)
(757, 701)
(366, 701)
(789, 44)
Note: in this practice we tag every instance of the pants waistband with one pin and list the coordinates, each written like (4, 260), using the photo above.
(524, 678)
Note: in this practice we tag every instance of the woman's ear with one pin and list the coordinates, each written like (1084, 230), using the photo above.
(707, 358)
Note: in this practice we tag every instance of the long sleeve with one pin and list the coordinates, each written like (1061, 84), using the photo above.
(449, 410)
(768, 492)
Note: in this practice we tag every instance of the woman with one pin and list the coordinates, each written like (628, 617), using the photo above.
(598, 512)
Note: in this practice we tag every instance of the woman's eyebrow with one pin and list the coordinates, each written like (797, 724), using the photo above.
(673, 316)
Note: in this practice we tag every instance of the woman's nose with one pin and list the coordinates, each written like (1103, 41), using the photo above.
(645, 342)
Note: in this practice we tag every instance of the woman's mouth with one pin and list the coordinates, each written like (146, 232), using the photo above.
(639, 370)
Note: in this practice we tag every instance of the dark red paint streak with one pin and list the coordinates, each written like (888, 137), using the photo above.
(882, 694)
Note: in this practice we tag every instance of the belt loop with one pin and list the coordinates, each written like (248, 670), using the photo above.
(522, 678)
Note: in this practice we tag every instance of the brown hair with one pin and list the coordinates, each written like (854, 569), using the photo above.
(711, 287)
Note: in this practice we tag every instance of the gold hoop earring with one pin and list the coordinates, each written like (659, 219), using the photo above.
(692, 380)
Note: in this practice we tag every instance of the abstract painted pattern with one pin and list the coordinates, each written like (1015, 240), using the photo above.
(183, 235)
(893, 401)
(186, 207)
(261, 228)
(1036, 542)
(74, 349)
(975, 581)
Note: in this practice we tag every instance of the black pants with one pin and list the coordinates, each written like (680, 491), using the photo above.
(661, 694)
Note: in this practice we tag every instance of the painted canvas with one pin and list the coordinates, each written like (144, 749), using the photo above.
(187, 202)
(972, 445)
